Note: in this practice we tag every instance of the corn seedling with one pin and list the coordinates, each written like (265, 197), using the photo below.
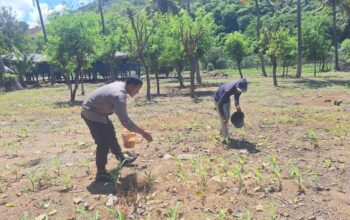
(246, 215)
(342, 168)
(67, 181)
(295, 172)
(58, 165)
(33, 179)
(241, 133)
(341, 132)
(46, 174)
(259, 178)
(150, 179)
(222, 214)
(171, 213)
(237, 173)
(181, 174)
(116, 213)
(14, 169)
(272, 212)
(313, 137)
(241, 162)
(327, 163)
(85, 163)
(276, 170)
(313, 177)
(203, 174)
(87, 215)
(219, 172)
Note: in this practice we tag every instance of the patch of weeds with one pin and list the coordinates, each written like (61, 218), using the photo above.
(341, 132)
(85, 163)
(33, 180)
(150, 179)
(327, 163)
(241, 133)
(272, 212)
(172, 212)
(45, 175)
(14, 169)
(83, 145)
(246, 215)
(84, 214)
(181, 174)
(116, 213)
(222, 214)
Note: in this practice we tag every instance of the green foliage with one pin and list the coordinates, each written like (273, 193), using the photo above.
(12, 32)
(237, 46)
(345, 50)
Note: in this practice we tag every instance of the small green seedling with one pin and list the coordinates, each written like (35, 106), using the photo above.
(295, 172)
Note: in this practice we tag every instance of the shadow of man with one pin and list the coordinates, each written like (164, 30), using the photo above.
(242, 145)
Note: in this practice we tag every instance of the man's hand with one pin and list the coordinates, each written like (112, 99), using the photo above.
(147, 136)
(225, 121)
(238, 108)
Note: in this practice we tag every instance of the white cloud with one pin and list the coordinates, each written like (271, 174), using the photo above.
(26, 11)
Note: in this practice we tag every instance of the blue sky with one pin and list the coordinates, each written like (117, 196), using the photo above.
(25, 11)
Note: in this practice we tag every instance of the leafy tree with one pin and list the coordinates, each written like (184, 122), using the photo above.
(142, 27)
(237, 47)
(192, 33)
(289, 54)
(72, 42)
(273, 44)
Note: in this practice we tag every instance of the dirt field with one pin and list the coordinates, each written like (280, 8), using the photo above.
(291, 160)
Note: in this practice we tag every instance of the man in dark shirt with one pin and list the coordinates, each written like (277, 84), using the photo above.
(223, 102)
(96, 108)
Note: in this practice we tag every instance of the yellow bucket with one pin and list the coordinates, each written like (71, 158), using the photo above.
(129, 140)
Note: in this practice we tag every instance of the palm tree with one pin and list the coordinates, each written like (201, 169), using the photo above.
(299, 59)
(37, 4)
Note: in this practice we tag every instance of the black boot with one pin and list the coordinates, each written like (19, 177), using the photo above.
(103, 176)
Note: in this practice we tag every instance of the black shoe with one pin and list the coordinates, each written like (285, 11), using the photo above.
(103, 176)
(128, 159)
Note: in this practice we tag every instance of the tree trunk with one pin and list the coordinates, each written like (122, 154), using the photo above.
(148, 82)
(274, 69)
(300, 52)
(239, 69)
(284, 69)
(258, 26)
(157, 79)
(315, 64)
(82, 85)
(178, 67)
(287, 71)
(102, 18)
(193, 70)
(198, 73)
(335, 35)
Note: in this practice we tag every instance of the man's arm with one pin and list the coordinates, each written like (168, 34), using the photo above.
(236, 97)
(121, 112)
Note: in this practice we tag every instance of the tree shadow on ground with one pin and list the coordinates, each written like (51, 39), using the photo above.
(68, 104)
(242, 145)
(317, 84)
